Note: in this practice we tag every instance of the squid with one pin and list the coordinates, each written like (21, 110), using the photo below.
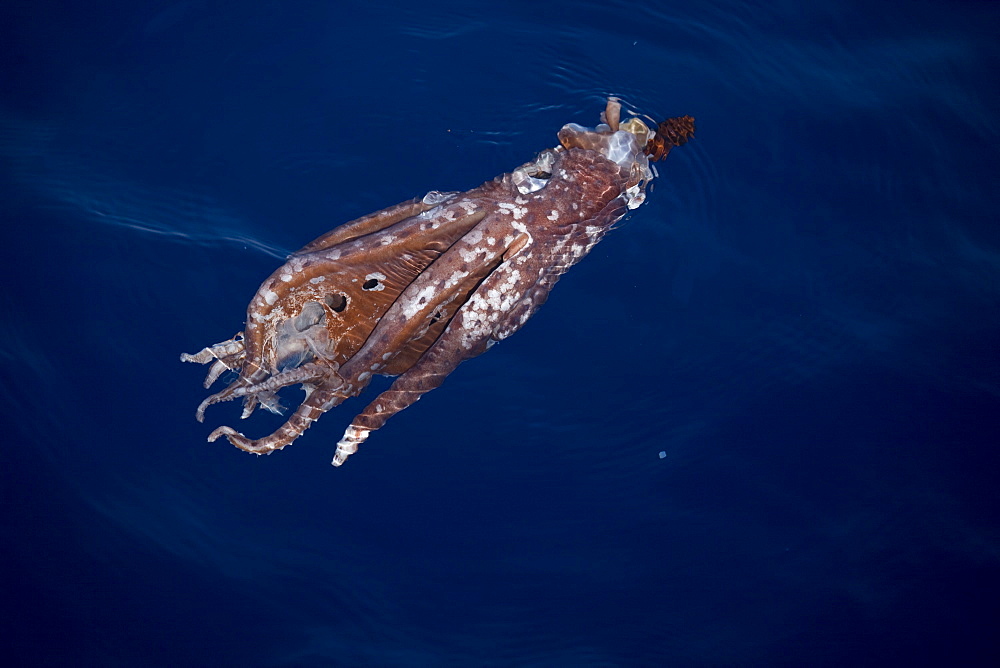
(414, 290)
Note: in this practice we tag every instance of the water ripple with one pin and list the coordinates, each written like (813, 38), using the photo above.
(57, 177)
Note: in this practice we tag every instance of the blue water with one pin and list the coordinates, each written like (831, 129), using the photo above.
(759, 425)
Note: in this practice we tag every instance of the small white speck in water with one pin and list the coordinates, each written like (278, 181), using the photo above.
(663, 454)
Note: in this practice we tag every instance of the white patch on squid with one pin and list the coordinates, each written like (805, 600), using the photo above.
(483, 310)
(437, 197)
(454, 279)
(520, 227)
(318, 279)
(474, 236)
(470, 255)
(412, 307)
(474, 321)
(387, 239)
(517, 211)
(348, 445)
(468, 206)
(270, 297)
(501, 297)
(636, 197)
(528, 184)
(379, 277)
(431, 215)
(286, 278)
(554, 215)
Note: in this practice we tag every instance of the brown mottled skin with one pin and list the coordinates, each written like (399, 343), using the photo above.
(414, 290)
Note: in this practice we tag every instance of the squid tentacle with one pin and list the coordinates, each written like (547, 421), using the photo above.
(220, 351)
(228, 356)
(454, 346)
(318, 402)
(423, 297)
(303, 374)
(246, 388)
(227, 394)
(427, 374)
(219, 368)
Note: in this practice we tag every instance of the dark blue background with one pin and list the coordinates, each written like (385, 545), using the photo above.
(804, 319)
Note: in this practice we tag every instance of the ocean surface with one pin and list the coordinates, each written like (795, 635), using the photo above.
(758, 426)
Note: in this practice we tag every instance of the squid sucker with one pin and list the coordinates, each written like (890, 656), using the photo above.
(415, 289)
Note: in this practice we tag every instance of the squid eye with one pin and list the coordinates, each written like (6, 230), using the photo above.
(337, 302)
